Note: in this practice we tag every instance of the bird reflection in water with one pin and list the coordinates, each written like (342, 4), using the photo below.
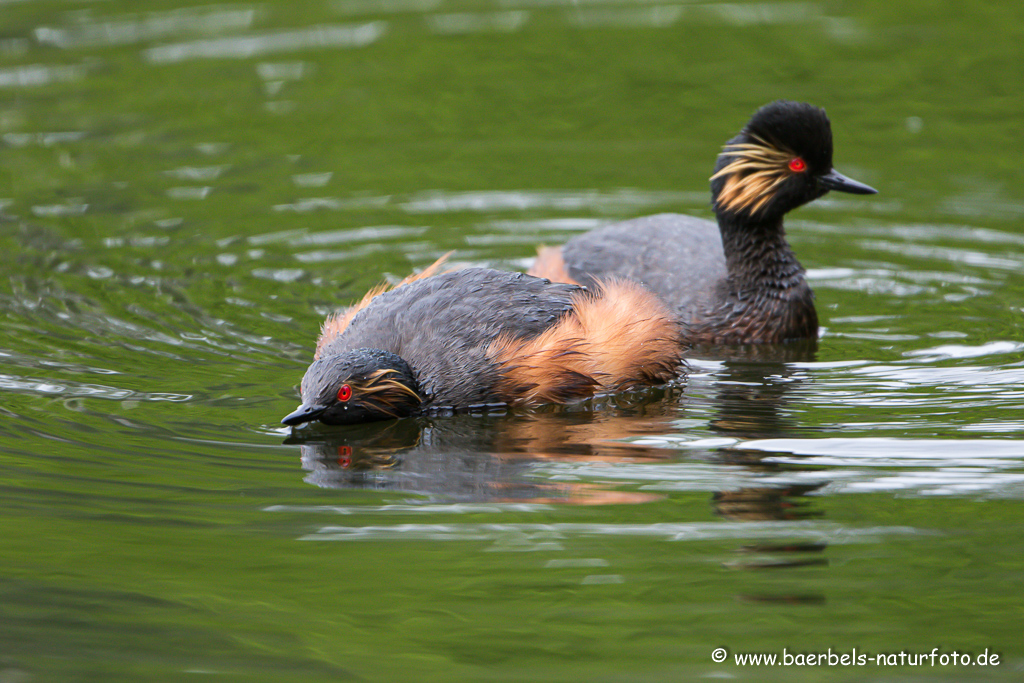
(753, 389)
(491, 457)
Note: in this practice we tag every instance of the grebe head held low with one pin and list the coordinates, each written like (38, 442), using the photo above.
(360, 385)
(474, 338)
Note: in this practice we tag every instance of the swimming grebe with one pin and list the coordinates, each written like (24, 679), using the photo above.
(738, 282)
(477, 337)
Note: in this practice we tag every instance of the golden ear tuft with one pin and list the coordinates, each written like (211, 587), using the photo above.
(385, 394)
(756, 170)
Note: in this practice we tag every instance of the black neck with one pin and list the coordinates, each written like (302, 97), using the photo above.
(757, 255)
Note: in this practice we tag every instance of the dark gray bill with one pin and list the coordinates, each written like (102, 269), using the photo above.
(304, 413)
(834, 180)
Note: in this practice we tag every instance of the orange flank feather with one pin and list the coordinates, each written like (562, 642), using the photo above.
(549, 264)
(336, 323)
(618, 336)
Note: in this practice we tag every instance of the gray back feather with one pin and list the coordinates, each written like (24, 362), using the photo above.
(679, 258)
(442, 326)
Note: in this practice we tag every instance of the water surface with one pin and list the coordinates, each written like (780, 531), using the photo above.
(187, 189)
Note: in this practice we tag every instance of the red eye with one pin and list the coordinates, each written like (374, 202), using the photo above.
(344, 393)
(797, 165)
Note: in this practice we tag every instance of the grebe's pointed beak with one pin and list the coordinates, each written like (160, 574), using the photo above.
(307, 412)
(834, 180)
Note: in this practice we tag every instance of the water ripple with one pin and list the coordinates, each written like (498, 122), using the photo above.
(149, 27)
(51, 388)
(303, 238)
(523, 200)
(970, 257)
(887, 452)
(464, 22)
(532, 534)
(43, 139)
(975, 377)
(367, 7)
(948, 351)
(246, 47)
(34, 75)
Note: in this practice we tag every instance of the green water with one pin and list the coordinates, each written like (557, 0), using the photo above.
(187, 190)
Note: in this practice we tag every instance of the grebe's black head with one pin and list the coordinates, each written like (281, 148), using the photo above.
(361, 385)
(781, 159)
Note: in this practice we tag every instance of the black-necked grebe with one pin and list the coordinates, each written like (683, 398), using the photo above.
(479, 337)
(738, 282)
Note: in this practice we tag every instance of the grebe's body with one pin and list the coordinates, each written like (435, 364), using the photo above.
(479, 337)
